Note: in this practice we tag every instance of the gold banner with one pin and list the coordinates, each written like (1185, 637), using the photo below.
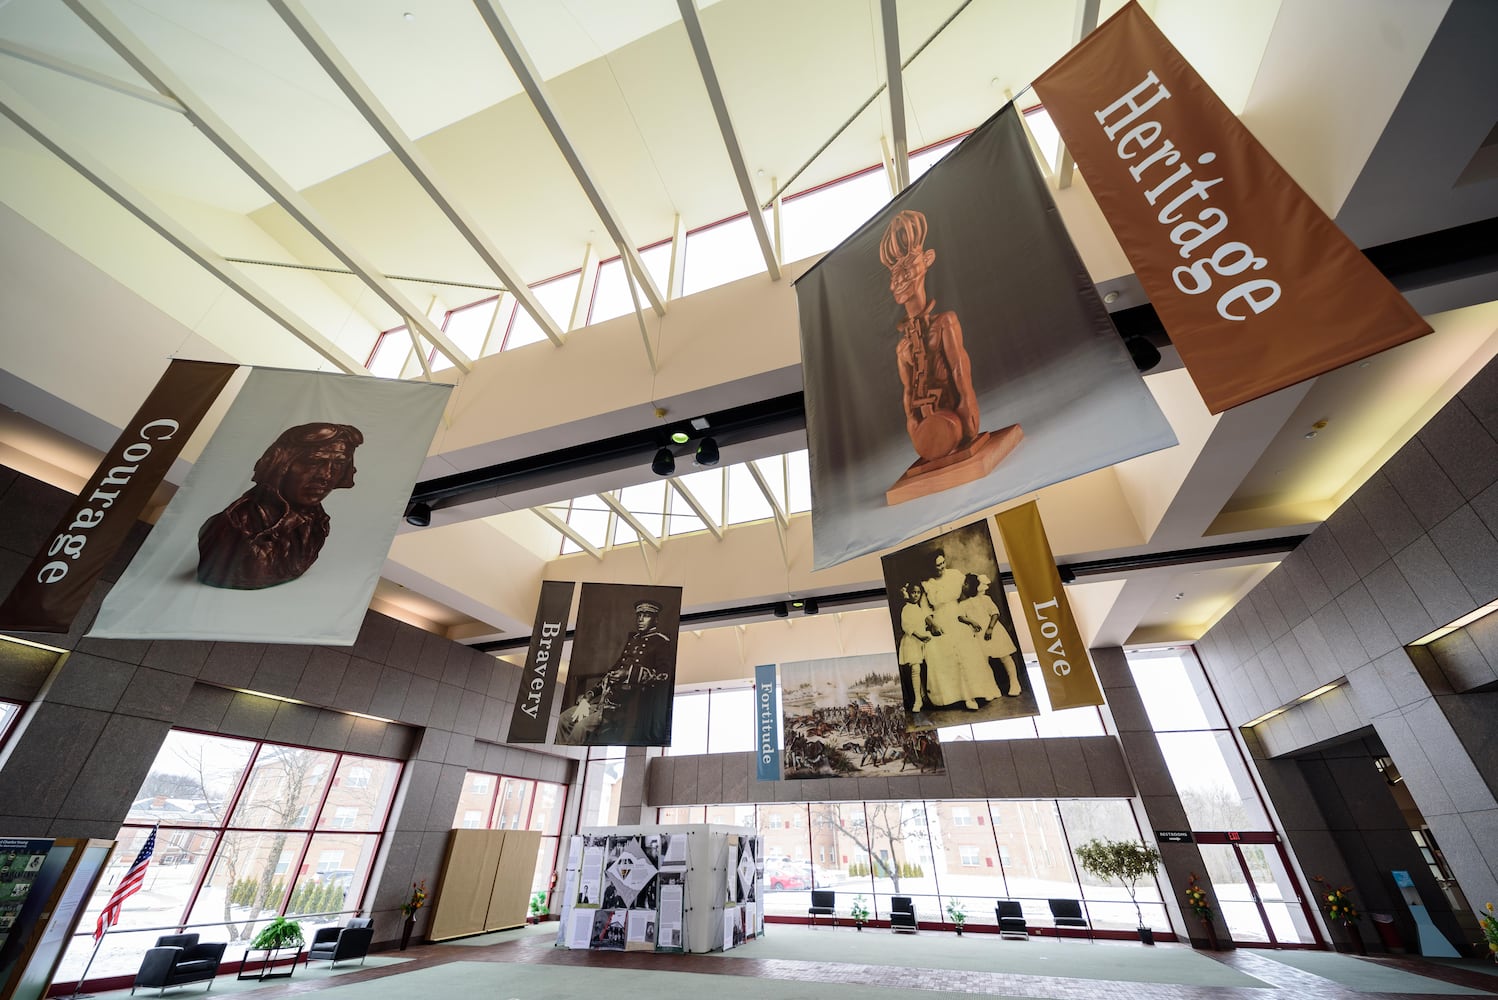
(1069, 679)
(1256, 286)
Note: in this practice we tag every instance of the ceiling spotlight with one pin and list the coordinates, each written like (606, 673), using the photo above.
(419, 515)
(707, 452)
(1145, 354)
(680, 437)
(664, 463)
(781, 611)
(409, 16)
(810, 606)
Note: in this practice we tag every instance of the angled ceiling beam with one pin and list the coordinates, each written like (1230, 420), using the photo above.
(693, 24)
(77, 72)
(697, 507)
(634, 296)
(530, 78)
(34, 124)
(895, 77)
(1087, 13)
(764, 487)
(568, 531)
(628, 517)
(379, 118)
(124, 42)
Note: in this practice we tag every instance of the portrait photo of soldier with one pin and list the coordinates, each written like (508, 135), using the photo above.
(620, 687)
(273, 533)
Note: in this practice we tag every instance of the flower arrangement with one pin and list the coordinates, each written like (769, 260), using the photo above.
(1490, 928)
(1196, 898)
(417, 901)
(1340, 908)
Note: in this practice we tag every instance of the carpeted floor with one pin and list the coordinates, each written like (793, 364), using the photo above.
(1114, 961)
(1364, 976)
(316, 973)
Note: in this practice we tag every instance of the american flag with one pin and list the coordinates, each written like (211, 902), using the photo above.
(129, 885)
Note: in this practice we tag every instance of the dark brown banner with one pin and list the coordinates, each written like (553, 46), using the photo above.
(60, 578)
(1256, 286)
(538, 685)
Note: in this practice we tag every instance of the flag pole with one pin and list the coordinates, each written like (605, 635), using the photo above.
(84, 974)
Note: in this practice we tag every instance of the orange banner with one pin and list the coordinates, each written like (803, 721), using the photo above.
(1256, 286)
(1069, 678)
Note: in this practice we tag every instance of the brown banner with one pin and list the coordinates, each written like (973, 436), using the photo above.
(538, 685)
(1256, 286)
(60, 578)
(1069, 680)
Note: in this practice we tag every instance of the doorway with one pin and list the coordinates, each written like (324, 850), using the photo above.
(1259, 900)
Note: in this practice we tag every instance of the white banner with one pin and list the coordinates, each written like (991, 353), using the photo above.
(284, 523)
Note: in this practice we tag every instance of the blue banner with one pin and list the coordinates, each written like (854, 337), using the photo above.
(767, 724)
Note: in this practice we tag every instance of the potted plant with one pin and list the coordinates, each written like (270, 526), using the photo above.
(956, 913)
(417, 900)
(1490, 930)
(279, 933)
(859, 912)
(1123, 861)
(538, 909)
(1196, 899)
(1340, 909)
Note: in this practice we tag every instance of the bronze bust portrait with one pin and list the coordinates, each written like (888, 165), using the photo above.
(274, 532)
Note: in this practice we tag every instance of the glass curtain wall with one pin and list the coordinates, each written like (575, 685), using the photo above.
(1255, 890)
(9, 712)
(975, 851)
(505, 802)
(247, 831)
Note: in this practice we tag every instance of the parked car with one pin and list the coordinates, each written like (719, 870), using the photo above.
(788, 875)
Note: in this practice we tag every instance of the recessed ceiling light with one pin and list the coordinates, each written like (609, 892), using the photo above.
(409, 16)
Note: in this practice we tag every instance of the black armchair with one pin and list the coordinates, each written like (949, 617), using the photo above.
(1011, 919)
(902, 913)
(1068, 913)
(178, 959)
(823, 904)
(341, 944)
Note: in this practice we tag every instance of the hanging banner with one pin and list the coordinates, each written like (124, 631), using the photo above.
(64, 572)
(1069, 677)
(844, 719)
(1256, 286)
(284, 523)
(621, 678)
(766, 724)
(954, 634)
(985, 364)
(539, 682)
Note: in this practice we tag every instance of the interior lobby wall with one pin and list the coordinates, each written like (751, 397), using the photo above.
(1414, 548)
(98, 714)
(1373, 834)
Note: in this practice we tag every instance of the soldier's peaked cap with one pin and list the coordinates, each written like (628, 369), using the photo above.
(649, 607)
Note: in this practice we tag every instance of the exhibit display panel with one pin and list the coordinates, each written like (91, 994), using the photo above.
(670, 888)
